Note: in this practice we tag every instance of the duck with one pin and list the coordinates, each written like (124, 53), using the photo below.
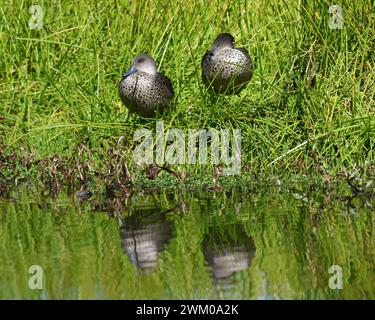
(226, 69)
(143, 89)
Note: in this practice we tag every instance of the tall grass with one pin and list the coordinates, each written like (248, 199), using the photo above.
(312, 85)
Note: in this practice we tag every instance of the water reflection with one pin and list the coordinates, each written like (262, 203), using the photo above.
(144, 235)
(227, 252)
(85, 252)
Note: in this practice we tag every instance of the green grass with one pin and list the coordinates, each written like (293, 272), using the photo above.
(311, 86)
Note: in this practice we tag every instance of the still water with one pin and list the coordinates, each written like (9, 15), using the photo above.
(233, 244)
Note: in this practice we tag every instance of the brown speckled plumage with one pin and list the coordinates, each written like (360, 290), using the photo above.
(146, 93)
(225, 68)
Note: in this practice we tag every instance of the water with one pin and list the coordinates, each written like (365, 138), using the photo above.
(188, 245)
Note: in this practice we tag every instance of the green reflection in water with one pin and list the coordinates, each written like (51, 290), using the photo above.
(167, 245)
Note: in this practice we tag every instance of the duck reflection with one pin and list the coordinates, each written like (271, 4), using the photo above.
(144, 235)
(228, 251)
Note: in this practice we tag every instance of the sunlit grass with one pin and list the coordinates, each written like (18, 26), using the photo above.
(312, 85)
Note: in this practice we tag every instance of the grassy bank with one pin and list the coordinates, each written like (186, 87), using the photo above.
(311, 99)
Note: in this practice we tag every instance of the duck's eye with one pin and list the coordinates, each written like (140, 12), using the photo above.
(141, 60)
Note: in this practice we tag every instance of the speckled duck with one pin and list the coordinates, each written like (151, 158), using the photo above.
(225, 68)
(143, 90)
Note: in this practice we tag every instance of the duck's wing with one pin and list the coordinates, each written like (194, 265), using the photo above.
(207, 56)
(245, 52)
(166, 81)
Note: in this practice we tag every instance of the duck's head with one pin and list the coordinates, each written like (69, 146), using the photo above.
(223, 40)
(142, 62)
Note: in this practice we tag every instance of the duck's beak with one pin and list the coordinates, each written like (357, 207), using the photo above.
(129, 72)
